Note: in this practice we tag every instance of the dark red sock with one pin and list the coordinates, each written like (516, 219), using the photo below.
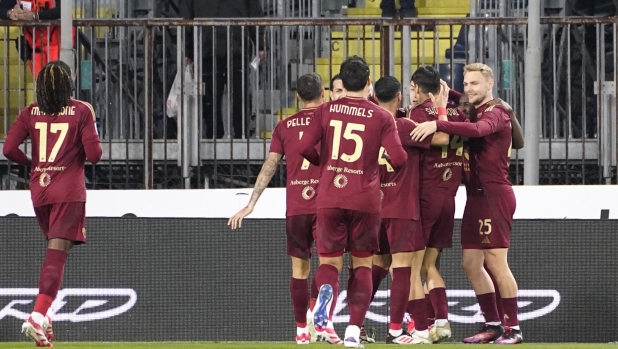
(377, 275)
(439, 303)
(314, 294)
(510, 312)
(359, 295)
(400, 291)
(300, 299)
(429, 311)
(50, 281)
(417, 309)
(498, 297)
(328, 274)
(487, 302)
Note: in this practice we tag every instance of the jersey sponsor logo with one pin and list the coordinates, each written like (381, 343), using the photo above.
(448, 173)
(71, 304)
(340, 181)
(44, 179)
(463, 306)
(308, 192)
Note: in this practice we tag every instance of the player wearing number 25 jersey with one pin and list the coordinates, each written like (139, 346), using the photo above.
(63, 135)
(351, 131)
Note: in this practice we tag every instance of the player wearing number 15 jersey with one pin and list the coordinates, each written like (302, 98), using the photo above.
(63, 135)
(351, 131)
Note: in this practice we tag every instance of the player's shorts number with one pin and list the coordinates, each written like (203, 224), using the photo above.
(484, 226)
(456, 143)
(383, 161)
(53, 128)
(305, 164)
(349, 135)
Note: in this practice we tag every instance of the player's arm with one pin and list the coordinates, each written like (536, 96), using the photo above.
(90, 135)
(17, 135)
(440, 101)
(266, 174)
(491, 122)
(390, 141)
(311, 137)
(405, 128)
(517, 131)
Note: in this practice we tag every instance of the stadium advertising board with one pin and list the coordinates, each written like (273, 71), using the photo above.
(183, 279)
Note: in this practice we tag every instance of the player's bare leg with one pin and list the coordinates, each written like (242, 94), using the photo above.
(299, 291)
(437, 293)
(50, 281)
(472, 263)
(417, 302)
(327, 281)
(498, 264)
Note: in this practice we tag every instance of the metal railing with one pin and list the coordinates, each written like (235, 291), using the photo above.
(126, 71)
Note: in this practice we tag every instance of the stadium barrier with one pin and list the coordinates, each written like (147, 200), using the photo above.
(127, 67)
(179, 278)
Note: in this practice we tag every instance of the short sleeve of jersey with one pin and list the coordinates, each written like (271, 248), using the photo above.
(276, 143)
(417, 115)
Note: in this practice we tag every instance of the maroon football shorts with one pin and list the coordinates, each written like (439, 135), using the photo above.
(340, 229)
(487, 221)
(400, 235)
(65, 220)
(300, 230)
(438, 218)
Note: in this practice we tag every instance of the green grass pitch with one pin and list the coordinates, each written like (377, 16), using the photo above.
(284, 345)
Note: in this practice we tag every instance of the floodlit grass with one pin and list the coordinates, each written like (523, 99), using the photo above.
(284, 345)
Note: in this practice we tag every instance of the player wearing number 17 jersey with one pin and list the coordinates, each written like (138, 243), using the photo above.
(351, 131)
(63, 135)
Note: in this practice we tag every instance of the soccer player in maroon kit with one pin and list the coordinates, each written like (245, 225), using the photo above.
(301, 186)
(441, 168)
(401, 233)
(64, 135)
(492, 163)
(351, 131)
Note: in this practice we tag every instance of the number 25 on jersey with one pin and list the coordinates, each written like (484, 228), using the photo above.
(63, 128)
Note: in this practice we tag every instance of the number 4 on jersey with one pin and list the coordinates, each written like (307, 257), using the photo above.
(383, 161)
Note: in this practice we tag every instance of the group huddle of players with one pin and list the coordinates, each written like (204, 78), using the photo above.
(367, 177)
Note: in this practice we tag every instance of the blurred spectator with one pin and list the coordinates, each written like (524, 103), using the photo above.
(215, 59)
(407, 9)
(42, 44)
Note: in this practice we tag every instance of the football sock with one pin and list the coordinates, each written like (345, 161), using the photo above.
(359, 295)
(400, 290)
(377, 275)
(487, 302)
(300, 299)
(439, 303)
(50, 280)
(417, 309)
(510, 312)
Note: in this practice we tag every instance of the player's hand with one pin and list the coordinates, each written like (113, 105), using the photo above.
(421, 131)
(445, 85)
(441, 99)
(236, 220)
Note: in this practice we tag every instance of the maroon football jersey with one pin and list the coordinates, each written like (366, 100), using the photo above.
(400, 189)
(351, 131)
(493, 153)
(302, 177)
(58, 156)
(441, 167)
